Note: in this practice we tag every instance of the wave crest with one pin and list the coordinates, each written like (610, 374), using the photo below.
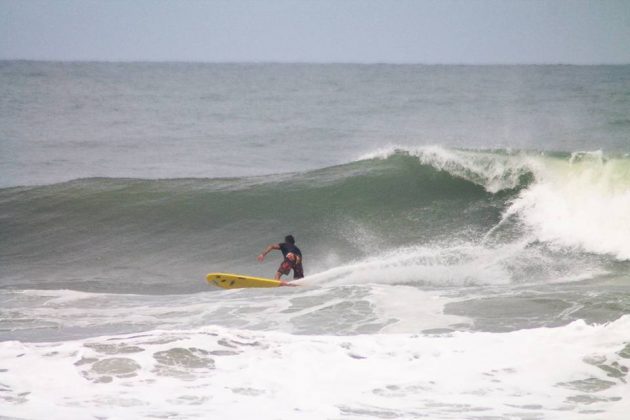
(493, 170)
(578, 200)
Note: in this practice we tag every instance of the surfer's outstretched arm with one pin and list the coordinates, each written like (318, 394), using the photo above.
(267, 250)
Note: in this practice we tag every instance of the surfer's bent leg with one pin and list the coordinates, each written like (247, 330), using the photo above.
(284, 268)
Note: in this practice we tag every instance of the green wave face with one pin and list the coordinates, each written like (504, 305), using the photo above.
(396, 199)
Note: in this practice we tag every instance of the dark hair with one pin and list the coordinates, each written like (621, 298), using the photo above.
(290, 239)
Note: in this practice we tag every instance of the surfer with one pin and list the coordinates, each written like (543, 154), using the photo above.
(292, 258)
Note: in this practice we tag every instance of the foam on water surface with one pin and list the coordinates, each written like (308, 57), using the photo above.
(498, 259)
(559, 373)
(37, 315)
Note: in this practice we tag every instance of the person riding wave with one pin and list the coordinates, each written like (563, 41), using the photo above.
(292, 258)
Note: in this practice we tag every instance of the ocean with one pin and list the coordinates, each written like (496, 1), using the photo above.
(465, 232)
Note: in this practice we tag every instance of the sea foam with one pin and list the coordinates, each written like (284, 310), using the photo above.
(555, 373)
(581, 200)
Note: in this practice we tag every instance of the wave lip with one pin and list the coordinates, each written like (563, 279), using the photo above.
(494, 170)
(579, 200)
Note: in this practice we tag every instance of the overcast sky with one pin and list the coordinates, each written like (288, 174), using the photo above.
(392, 31)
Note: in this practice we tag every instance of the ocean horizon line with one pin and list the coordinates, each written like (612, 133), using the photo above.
(322, 63)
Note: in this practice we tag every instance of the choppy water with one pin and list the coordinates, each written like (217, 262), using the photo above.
(465, 232)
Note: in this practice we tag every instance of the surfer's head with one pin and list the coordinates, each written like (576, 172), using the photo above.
(289, 239)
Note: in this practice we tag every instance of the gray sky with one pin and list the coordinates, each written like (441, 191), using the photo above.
(393, 31)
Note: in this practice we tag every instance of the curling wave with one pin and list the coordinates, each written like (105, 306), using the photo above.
(394, 199)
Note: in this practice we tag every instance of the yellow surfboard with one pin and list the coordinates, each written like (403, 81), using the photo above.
(236, 281)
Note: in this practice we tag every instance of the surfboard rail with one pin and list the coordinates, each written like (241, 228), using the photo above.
(238, 281)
